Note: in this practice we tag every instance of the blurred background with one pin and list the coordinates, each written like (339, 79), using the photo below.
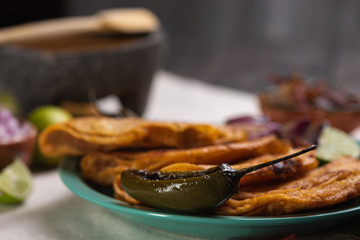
(236, 43)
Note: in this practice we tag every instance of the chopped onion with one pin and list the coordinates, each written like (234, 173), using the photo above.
(300, 132)
(11, 128)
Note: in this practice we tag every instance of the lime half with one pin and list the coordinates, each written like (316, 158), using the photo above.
(334, 143)
(15, 182)
(44, 116)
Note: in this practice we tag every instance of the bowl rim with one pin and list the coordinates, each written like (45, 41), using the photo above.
(30, 135)
(264, 104)
(142, 42)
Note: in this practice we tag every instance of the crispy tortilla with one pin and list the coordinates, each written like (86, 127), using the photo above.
(334, 183)
(272, 175)
(102, 168)
(321, 187)
(88, 134)
(288, 169)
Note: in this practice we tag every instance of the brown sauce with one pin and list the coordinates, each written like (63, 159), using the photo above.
(77, 42)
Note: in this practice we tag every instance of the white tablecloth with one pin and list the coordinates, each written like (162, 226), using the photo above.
(53, 212)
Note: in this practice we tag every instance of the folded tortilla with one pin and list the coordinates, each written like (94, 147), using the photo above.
(322, 187)
(82, 135)
(102, 168)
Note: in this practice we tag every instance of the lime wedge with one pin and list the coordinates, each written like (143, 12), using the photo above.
(15, 182)
(334, 143)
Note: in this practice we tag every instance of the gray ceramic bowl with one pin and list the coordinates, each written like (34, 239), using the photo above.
(47, 72)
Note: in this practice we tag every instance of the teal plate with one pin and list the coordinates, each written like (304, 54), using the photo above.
(209, 226)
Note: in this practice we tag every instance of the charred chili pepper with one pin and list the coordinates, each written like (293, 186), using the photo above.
(189, 191)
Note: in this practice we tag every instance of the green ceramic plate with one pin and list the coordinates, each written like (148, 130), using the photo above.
(208, 226)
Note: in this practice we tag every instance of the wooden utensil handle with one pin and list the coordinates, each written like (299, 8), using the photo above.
(122, 20)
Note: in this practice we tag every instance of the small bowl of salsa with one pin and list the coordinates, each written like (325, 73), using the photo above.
(294, 98)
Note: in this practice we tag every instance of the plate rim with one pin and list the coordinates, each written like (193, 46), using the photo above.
(75, 184)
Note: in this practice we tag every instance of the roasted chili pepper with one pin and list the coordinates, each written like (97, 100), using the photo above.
(190, 191)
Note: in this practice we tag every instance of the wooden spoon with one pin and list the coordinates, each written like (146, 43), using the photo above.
(121, 20)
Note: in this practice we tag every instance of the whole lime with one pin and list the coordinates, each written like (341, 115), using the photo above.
(44, 116)
(44, 161)
(9, 101)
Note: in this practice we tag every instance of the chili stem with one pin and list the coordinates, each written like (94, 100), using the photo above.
(262, 165)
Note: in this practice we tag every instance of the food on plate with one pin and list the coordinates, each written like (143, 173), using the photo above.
(109, 147)
(288, 169)
(82, 135)
(189, 191)
(294, 98)
(102, 168)
(255, 126)
(301, 131)
(334, 143)
(333, 183)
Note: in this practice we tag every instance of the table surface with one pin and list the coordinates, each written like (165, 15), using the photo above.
(53, 212)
